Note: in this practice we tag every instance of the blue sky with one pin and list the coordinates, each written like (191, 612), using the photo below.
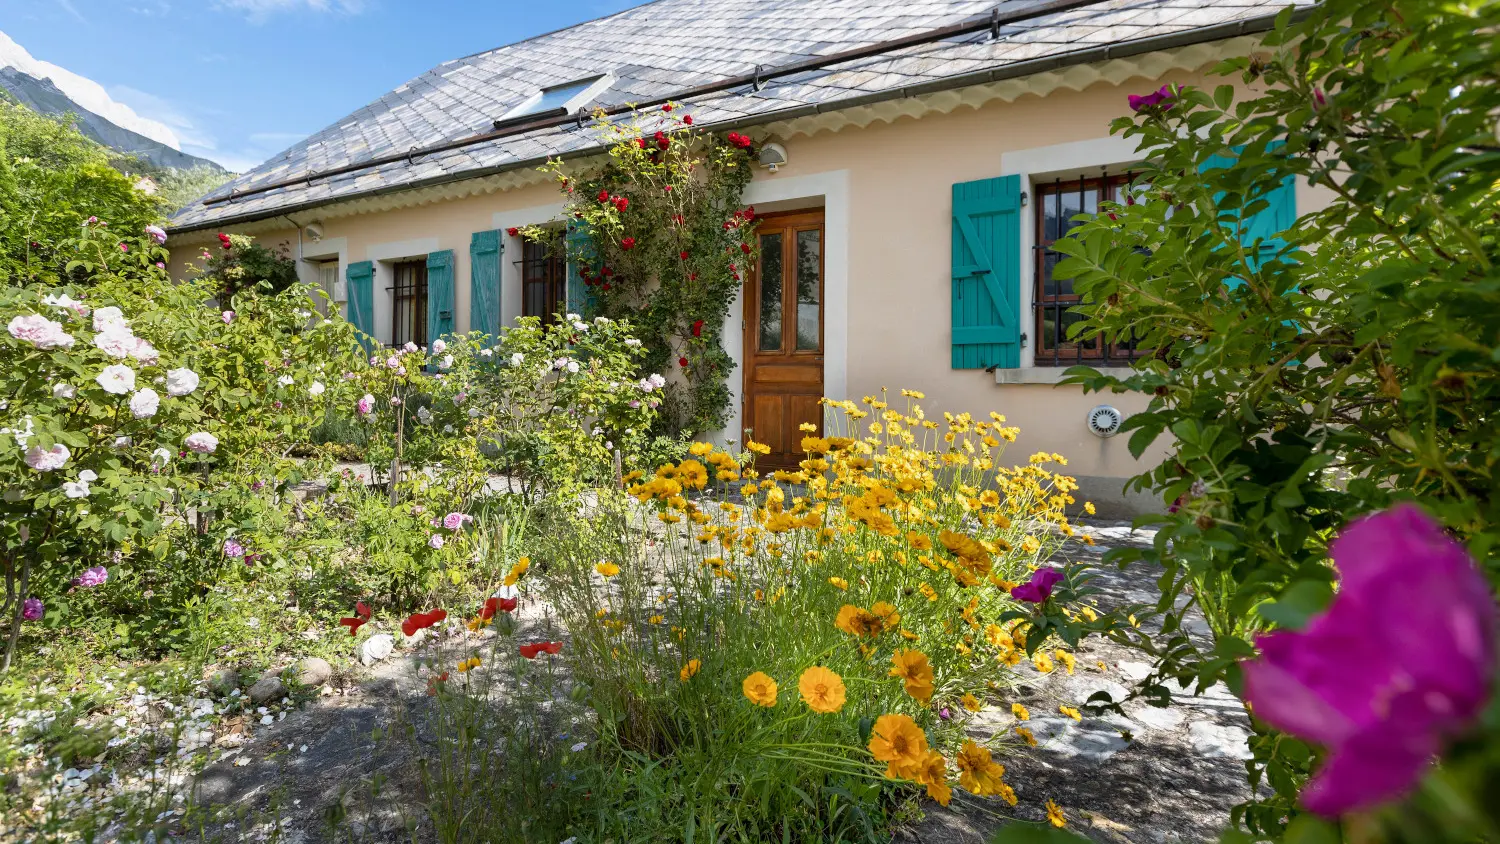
(240, 80)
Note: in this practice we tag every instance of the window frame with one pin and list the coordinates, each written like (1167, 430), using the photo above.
(409, 292)
(555, 289)
(1109, 188)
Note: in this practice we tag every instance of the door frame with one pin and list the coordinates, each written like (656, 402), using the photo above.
(829, 189)
(792, 221)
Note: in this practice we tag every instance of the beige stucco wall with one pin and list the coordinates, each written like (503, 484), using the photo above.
(887, 188)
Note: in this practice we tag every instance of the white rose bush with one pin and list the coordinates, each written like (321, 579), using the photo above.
(132, 419)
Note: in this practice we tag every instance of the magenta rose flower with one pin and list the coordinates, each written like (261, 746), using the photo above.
(32, 609)
(1401, 661)
(1039, 588)
(1163, 95)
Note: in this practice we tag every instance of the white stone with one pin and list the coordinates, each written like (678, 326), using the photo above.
(1135, 671)
(1214, 741)
(376, 648)
(1159, 718)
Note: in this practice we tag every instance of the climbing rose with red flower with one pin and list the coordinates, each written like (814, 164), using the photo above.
(534, 649)
(512, 231)
(683, 255)
(687, 119)
(421, 621)
(621, 203)
(698, 328)
(627, 243)
(603, 196)
(682, 362)
(741, 141)
(667, 107)
(362, 614)
(224, 240)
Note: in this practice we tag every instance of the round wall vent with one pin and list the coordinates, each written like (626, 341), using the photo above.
(1105, 421)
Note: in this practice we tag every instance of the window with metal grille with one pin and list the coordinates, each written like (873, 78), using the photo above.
(409, 303)
(1058, 202)
(544, 282)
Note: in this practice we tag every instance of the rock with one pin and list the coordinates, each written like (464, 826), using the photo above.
(1159, 718)
(415, 639)
(376, 648)
(267, 688)
(222, 682)
(1135, 671)
(1212, 740)
(313, 672)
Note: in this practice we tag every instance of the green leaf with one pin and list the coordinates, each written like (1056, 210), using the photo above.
(1297, 604)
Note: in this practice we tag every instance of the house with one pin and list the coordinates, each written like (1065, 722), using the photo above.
(928, 151)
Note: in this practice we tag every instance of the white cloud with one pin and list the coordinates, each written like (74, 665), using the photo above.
(85, 92)
(192, 126)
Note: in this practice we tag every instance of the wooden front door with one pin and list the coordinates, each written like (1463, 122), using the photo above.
(784, 335)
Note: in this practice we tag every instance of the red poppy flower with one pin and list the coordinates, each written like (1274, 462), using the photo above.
(603, 196)
(434, 682)
(362, 615)
(532, 650)
(688, 119)
(683, 255)
(422, 620)
(621, 203)
(627, 243)
(512, 231)
(698, 328)
(501, 604)
(682, 362)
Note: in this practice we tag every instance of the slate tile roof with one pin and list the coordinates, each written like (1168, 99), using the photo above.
(658, 49)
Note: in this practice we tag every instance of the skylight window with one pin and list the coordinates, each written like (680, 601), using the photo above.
(558, 100)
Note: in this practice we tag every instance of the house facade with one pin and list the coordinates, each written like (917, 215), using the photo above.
(919, 157)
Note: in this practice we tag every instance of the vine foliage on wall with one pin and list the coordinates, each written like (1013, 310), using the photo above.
(659, 236)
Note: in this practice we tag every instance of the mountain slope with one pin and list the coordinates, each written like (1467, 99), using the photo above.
(43, 96)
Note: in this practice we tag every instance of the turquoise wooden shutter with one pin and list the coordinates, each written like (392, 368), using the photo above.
(361, 292)
(439, 294)
(580, 246)
(987, 273)
(1265, 225)
(485, 250)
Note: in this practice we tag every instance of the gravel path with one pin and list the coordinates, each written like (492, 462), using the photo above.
(1158, 775)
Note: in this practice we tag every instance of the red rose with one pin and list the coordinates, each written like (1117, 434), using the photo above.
(745, 248)
(750, 213)
(692, 276)
(640, 142)
(698, 328)
(688, 119)
(606, 287)
(603, 196)
(683, 255)
(621, 203)
(627, 244)
(682, 362)
(663, 143)
(512, 231)
(667, 188)
(606, 272)
(667, 107)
